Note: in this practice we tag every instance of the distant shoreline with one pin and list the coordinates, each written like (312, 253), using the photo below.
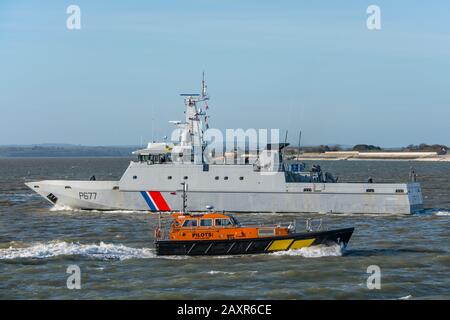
(64, 157)
(79, 151)
(374, 156)
(65, 151)
(443, 159)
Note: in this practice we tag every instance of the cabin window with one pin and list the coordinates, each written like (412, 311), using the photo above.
(223, 222)
(399, 190)
(190, 223)
(67, 187)
(225, 178)
(134, 177)
(241, 178)
(206, 222)
(185, 177)
(370, 190)
(169, 177)
(307, 189)
(217, 178)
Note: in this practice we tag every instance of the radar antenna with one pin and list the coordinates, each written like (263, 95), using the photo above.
(204, 87)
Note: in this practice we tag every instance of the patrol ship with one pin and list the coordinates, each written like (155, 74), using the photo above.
(265, 184)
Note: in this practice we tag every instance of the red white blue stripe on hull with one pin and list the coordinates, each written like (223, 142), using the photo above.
(155, 201)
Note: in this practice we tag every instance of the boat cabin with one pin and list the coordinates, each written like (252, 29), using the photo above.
(217, 226)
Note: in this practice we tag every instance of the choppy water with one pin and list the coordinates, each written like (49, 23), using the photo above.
(114, 250)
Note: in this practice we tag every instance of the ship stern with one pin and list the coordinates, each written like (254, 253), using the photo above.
(415, 197)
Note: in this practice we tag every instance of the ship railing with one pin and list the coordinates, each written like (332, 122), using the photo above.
(314, 225)
(290, 225)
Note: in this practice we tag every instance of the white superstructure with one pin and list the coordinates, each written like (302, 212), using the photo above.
(154, 180)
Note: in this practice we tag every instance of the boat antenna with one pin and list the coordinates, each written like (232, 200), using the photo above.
(185, 188)
(285, 142)
(159, 220)
(299, 140)
(151, 123)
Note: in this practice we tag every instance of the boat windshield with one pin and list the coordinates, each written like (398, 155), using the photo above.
(235, 221)
(190, 223)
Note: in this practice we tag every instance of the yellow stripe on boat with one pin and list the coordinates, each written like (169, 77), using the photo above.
(280, 245)
(302, 243)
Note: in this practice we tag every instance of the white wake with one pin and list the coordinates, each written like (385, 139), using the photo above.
(109, 251)
(58, 207)
(436, 212)
(102, 251)
(441, 213)
(231, 273)
(313, 251)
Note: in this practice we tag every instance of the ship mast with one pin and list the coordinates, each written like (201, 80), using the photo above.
(192, 129)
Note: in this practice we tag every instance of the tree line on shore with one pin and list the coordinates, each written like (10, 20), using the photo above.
(125, 151)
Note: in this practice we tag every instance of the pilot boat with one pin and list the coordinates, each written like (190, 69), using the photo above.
(214, 233)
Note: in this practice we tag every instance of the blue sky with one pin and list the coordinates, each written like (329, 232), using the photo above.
(309, 65)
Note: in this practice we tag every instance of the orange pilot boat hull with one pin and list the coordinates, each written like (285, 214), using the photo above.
(253, 245)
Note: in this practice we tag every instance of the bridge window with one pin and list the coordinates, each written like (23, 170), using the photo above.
(206, 222)
(307, 189)
(143, 158)
(190, 223)
(115, 188)
(399, 190)
(370, 190)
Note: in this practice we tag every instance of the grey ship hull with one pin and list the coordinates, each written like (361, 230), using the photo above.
(236, 188)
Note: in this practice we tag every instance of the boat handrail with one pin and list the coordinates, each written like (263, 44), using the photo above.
(310, 225)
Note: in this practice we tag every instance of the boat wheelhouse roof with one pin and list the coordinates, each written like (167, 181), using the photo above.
(203, 215)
